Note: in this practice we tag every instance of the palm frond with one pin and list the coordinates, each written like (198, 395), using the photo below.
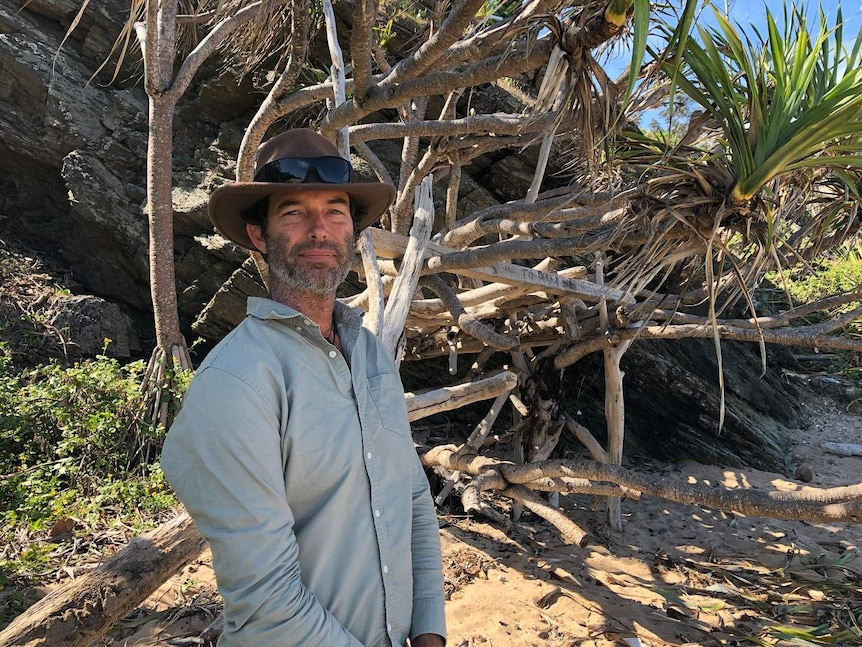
(791, 102)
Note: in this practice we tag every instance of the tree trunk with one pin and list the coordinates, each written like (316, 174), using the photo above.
(89, 605)
(160, 215)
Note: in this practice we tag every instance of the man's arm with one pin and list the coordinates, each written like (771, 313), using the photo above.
(223, 458)
(428, 627)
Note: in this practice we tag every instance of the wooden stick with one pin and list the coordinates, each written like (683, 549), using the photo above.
(342, 138)
(86, 607)
(392, 245)
(398, 305)
(467, 322)
(453, 397)
(374, 292)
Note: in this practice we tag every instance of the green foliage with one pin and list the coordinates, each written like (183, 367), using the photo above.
(785, 102)
(841, 273)
(828, 277)
(73, 445)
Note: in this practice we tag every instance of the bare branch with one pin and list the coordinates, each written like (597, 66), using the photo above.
(453, 397)
(773, 321)
(452, 193)
(450, 31)
(815, 335)
(364, 13)
(815, 505)
(208, 45)
(414, 111)
(499, 124)
(374, 320)
(467, 323)
(408, 278)
(382, 96)
(588, 219)
(342, 137)
(409, 185)
(266, 114)
(376, 164)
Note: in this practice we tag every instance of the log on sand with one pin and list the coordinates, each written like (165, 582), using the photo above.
(82, 609)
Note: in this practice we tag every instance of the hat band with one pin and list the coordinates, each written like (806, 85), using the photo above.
(330, 170)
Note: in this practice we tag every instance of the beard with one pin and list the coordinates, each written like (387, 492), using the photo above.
(283, 265)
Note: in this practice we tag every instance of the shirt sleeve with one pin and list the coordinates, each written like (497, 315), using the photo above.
(223, 457)
(428, 599)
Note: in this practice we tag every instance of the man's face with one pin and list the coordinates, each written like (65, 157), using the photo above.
(308, 240)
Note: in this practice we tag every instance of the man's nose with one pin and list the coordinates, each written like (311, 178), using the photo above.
(317, 225)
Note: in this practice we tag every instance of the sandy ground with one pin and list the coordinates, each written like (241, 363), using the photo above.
(678, 575)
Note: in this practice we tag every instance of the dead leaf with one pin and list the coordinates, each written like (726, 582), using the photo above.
(61, 527)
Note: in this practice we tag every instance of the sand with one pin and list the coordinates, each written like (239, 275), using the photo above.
(678, 574)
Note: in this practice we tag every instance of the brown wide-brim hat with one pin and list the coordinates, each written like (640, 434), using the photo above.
(229, 202)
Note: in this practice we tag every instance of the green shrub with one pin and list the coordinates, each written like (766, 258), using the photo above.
(826, 277)
(74, 443)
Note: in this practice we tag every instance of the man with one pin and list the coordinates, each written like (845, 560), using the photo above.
(292, 451)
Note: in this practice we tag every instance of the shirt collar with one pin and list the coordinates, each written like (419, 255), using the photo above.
(264, 308)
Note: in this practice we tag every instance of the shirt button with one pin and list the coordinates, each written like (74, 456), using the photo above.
(306, 322)
(389, 627)
(377, 513)
(332, 353)
(368, 455)
(385, 569)
(299, 328)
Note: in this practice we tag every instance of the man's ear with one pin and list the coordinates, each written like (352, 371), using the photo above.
(255, 233)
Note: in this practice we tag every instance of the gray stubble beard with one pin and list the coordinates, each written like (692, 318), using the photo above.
(319, 281)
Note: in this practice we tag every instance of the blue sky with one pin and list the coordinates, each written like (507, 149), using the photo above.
(753, 12)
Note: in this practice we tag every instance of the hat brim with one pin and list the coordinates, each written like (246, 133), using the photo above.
(229, 202)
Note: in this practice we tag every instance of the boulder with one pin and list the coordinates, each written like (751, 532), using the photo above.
(94, 326)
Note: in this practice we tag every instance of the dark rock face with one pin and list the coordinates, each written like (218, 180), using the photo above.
(73, 156)
(673, 402)
(96, 326)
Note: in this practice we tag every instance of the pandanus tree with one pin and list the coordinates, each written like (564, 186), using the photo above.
(643, 233)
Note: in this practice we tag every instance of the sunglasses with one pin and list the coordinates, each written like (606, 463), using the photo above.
(331, 170)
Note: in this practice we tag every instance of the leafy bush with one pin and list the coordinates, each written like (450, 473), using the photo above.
(73, 443)
(830, 276)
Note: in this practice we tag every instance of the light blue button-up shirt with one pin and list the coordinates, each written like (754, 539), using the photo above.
(299, 469)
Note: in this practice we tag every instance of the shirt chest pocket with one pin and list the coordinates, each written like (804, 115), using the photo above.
(386, 404)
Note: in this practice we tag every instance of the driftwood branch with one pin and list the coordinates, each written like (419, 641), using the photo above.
(811, 504)
(450, 31)
(208, 46)
(814, 335)
(266, 113)
(447, 398)
(360, 46)
(86, 607)
(407, 280)
(466, 322)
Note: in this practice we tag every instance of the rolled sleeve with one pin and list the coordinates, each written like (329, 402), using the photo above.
(223, 457)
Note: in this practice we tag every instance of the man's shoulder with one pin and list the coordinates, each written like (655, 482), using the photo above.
(247, 349)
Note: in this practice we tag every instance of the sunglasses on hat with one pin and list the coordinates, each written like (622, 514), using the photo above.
(330, 169)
